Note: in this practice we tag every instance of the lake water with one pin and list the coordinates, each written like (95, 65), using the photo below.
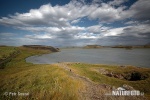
(116, 56)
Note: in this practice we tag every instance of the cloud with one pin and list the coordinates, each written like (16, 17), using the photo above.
(37, 36)
(54, 30)
(75, 21)
(58, 16)
(86, 36)
(140, 10)
(117, 2)
(14, 39)
(137, 31)
(113, 32)
(97, 29)
(7, 34)
(131, 22)
(107, 13)
(61, 24)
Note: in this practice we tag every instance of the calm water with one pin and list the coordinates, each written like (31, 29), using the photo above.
(135, 57)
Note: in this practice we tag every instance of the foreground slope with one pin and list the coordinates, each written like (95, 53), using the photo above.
(40, 81)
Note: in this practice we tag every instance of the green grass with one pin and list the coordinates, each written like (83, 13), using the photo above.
(91, 71)
(6, 52)
(41, 81)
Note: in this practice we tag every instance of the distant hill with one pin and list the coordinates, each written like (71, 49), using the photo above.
(147, 45)
(122, 46)
(92, 46)
(133, 46)
(42, 47)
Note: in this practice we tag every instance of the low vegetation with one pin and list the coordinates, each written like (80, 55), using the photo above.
(6, 55)
(40, 81)
(65, 81)
(97, 74)
(42, 47)
(5, 52)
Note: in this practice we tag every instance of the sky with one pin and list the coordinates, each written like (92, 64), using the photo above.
(74, 22)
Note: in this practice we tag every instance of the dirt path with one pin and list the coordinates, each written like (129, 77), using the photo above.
(92, 90)
(95, 91)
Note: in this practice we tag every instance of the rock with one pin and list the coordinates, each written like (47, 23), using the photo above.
(109, 74)
(119, 76)
(103, 71)
(135, 76)
(127, 87)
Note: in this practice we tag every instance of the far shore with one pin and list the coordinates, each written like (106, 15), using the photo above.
(99, 47)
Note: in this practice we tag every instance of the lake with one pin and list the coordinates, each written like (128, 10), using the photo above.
(116, 56)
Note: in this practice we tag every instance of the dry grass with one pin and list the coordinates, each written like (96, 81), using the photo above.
(92, 72)
(52, 82)
(40, 81)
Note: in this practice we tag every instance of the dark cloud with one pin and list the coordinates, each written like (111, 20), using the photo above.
(141, 10)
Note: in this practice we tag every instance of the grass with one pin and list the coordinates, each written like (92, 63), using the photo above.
(6, 52)
(51, 82)
(92, 72)
(40, 81)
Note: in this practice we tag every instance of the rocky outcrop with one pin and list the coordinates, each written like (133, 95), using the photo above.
(42, 47)
(135, 76)
(129, 76)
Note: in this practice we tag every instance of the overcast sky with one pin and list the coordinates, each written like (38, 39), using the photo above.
(74, 22)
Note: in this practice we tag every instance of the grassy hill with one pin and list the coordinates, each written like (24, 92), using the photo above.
(40, 81)
(5, 52)
(42, 47)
